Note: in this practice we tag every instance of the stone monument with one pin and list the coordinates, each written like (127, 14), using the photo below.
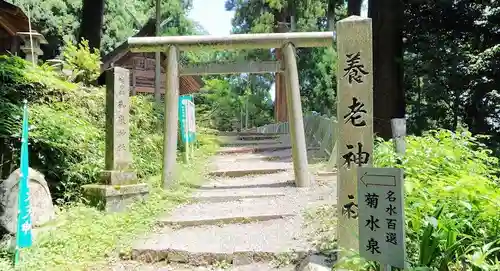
(42, 208)
(119, 187)
(355, 122)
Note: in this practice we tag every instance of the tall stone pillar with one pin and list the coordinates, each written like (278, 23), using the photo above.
(119, 185)
(355, 121)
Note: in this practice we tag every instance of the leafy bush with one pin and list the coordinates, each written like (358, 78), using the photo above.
(452, 201)
(68, 126)
(84, 64)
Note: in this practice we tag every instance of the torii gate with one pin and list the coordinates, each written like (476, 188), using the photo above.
(287, 41)
(355, 89)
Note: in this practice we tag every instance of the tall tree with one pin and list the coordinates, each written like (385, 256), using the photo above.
(91, 22)
(354, 7)
(452, 60)
(388, 92)
(330, 14)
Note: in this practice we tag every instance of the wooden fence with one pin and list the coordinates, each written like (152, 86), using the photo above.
(320, 132)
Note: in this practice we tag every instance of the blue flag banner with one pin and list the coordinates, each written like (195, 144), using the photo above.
(24, 238)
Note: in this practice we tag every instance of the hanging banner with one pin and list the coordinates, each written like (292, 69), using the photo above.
(187, 121)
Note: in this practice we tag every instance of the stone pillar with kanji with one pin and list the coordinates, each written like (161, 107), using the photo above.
(118, 157)
(119, 184)
(355, 121)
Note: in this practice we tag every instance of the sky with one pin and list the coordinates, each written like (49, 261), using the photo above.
(212, 15)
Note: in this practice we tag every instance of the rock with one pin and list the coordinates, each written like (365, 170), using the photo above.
(42, 208)
(315, 263)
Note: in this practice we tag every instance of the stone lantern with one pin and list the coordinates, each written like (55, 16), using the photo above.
(37, 40)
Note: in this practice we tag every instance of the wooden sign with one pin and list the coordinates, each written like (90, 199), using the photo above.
(381, 215)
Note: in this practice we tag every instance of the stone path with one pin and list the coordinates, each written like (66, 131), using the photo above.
(248, 216)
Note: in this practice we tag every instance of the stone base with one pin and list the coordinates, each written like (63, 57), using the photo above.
(116, 177)
(115, 198)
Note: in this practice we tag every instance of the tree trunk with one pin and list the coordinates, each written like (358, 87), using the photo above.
(388, 92)
(475, 113)
(91, 22)
(330, 14)
(354, 7)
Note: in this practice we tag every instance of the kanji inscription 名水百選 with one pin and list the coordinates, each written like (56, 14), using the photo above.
(381, 215)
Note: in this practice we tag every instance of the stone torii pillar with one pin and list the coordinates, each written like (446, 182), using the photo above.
(295, 118)
(171, 125)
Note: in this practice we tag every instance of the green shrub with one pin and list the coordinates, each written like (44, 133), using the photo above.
(84, 63)
(68, 126)
(452, 201)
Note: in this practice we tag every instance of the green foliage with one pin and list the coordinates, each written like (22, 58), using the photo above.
(22, 81)
(317, 75)
(452, 200)
(59, 20)
(84, 63)
(451, 68)
(67, 137)
(84, 238)
(225, 103)
(455, 172)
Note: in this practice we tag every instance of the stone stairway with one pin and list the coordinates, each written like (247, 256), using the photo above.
(248, 215)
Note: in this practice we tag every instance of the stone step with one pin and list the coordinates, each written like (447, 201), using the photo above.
(225, 194)
(258, 137)
(327, 173)
(281, 179)
(279, 155)
(253, 143)
(239, 244)
(249, 134)
(262, 267)
(246, 172)
(263, 156)
(252, 149)
(253, 137)
(130, 265)
(250, 156)
(244, 210)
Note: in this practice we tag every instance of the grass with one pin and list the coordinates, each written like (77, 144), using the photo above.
(221, 265)
(321, 228)
(285, 259)
(85, 237)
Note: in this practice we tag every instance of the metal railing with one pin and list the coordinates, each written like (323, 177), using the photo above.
(320, 132)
